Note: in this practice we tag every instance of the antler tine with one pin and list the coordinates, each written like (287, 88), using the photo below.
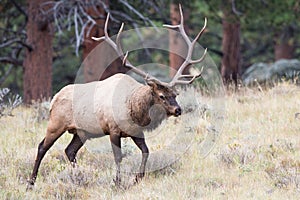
(188, 60)
(136, 70)
(118, 39)
(125, 62)
(193, 77)
(117, 47)
(106, 36)
(180, 27)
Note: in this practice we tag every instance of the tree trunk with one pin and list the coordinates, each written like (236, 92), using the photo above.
(103, 62)
(231, 51)
(284, 46)
(177, 46)
(37, 75)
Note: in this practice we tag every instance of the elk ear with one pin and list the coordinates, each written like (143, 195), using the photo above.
(152, 84)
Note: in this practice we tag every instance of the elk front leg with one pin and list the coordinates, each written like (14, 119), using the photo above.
(116, 147)
(140, 142)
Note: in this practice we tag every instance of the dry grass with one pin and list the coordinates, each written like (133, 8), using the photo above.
(257, 156)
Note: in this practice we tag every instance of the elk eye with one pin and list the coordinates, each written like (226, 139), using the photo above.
(162, 97)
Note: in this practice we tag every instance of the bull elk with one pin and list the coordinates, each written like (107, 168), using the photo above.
(92, 110)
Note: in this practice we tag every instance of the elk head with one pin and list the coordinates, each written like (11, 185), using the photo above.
(165, 97)
(163, 93)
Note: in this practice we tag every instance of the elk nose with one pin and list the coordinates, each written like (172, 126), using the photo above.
(178, 111)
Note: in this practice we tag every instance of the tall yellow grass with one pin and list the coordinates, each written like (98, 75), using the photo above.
(257, 156)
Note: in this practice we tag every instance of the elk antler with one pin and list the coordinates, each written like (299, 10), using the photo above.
(117, 47)
(176, 79)
(188, 60)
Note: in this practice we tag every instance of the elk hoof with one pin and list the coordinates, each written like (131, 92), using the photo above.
(74, 163)
(117, 181)
(30, 184)
(138, 177)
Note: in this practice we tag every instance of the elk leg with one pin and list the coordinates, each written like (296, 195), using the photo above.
(73, 148)
(140, 142)
(116, 147)
(43, 147)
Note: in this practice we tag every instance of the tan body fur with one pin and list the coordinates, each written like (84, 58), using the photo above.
(97, 107)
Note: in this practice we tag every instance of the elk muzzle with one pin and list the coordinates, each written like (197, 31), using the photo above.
(177, 111)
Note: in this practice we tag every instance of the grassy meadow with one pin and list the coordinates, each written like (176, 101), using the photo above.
(257, 156)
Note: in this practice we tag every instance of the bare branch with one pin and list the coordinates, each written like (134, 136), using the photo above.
(9, 42)
(76, 31)
(105, 8)
(69, 19)
(121, 15)
(90, 20)
(29, 47)
(145, 19)
(234, 10)
(20, 8)
(7, 73)
(56, 21)
(11, 60)
(14, 55)
(66, 14)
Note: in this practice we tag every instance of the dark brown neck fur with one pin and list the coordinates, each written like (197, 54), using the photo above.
(140, 103)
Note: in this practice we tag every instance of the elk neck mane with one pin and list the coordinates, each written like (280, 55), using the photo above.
(140, 103)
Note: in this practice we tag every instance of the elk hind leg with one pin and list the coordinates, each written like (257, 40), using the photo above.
(72, 149)
(51, 136)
